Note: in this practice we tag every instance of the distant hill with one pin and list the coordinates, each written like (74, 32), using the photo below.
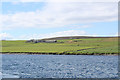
(73, 37)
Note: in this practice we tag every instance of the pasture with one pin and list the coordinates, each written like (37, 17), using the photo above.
(88, 46)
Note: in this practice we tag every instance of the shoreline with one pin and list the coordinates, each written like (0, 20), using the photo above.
(38, 53)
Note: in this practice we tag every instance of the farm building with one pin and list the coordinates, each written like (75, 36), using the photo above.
(38, 41)
(50, 41)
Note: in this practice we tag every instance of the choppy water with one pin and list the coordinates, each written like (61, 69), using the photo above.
(59, 66)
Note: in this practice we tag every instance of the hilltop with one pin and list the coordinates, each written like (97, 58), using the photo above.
(74, 37)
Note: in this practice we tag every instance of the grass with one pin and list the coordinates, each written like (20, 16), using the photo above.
(89, 46)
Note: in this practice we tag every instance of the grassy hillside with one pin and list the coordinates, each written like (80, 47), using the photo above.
(74, 37)
(66, 46)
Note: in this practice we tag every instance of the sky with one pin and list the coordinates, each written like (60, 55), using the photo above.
(37, 20)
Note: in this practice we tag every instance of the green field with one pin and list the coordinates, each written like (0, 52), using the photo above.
(88, 46)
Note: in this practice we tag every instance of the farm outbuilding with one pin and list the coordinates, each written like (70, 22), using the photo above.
(38, 41)
(50, 41)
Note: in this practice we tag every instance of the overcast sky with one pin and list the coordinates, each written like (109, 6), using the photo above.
(28, 20)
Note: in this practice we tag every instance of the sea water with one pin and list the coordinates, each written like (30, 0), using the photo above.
(59, 66)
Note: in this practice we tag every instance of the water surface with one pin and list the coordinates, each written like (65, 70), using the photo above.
(59, 66)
